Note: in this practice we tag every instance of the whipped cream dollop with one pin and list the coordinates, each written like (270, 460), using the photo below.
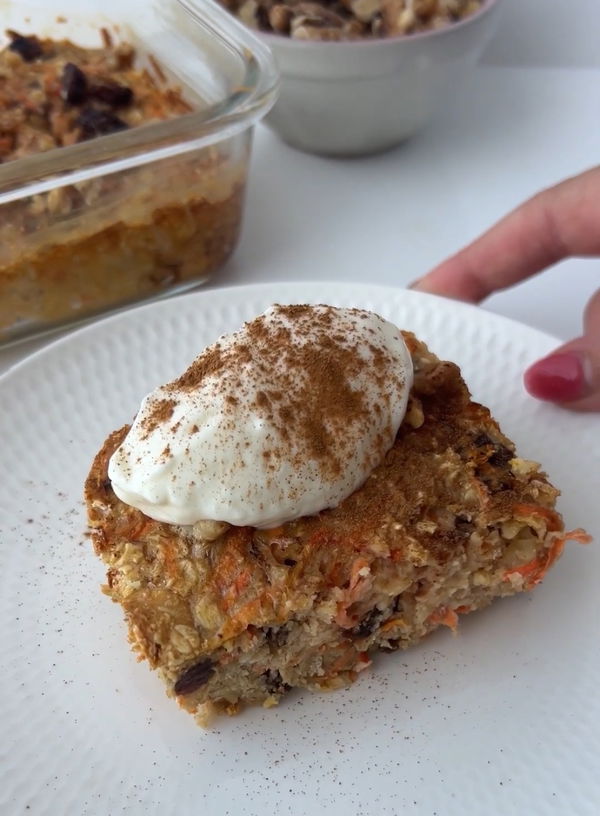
(284, 418)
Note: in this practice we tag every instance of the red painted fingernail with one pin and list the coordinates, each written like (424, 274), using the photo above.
(560, 377)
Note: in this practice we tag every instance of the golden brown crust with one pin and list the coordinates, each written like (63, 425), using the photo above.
(450, 520)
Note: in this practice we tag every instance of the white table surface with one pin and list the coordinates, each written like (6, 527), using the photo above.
(528, 118)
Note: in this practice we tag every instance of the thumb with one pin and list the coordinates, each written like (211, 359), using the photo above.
(570, 376)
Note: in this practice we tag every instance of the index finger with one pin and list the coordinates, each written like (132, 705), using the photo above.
(560, 222)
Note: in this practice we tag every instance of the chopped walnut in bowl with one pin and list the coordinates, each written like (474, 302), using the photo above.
(362, 76)
(326, 21)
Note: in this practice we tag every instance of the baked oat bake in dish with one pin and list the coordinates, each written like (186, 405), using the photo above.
(101, 242)
(323, 20)
(449, 519)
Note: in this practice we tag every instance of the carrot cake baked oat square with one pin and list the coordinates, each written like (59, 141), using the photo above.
(314, 488)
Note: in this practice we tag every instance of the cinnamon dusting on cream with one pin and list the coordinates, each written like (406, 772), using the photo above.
(285, 417)
(161, 412)
(313, 390)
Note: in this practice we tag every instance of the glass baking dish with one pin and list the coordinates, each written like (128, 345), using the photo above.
(143, 212)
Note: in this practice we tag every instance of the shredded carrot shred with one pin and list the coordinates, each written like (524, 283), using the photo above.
(390, 624)
(170, 559)
(355, 576)
(551, 517)
(342, 618)
(344, 662)
(140, 528)
(578, 535)
(356, 589)
(273, 532)
(444, 617)
(534, 571)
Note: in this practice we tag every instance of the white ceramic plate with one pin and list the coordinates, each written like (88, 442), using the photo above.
(502, 719)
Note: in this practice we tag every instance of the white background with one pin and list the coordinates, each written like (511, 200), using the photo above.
(529, 116)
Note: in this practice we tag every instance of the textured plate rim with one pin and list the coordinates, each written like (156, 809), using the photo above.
(470, 310)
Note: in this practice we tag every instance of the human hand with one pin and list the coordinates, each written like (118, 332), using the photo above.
(558, 223)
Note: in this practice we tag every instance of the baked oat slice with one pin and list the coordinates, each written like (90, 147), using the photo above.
(450, 520)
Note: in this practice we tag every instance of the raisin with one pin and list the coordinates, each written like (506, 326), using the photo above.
(499, 486)
(274, 682)
(501, 456)
(262, 18)
(397, 605)
(482, 439)
(464, 526)
(73, 84)
(369, 624)
(195, 677)
(28, 48)
(276, 636)
(112, 93)
(254, 549)
(94, 122)
(289, 562)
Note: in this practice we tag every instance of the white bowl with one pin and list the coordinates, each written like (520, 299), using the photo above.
(362, 96)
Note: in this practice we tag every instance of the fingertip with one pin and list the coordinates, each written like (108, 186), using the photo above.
(436, 284)
(452, 279)
(561, 377)
(424, 285)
